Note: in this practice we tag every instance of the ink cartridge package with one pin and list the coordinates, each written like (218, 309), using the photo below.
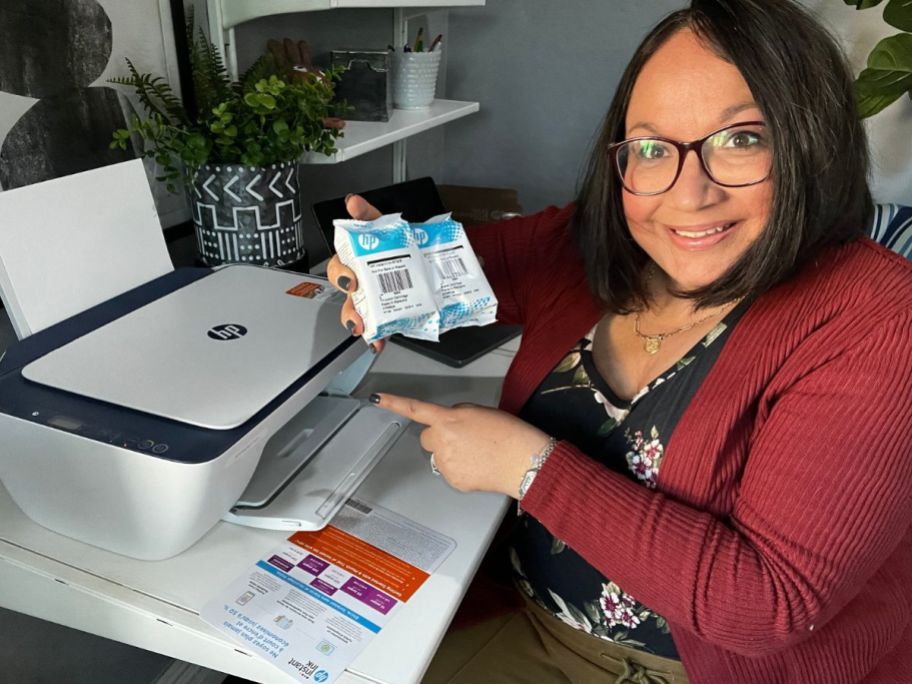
(461, 290)
(393, 294)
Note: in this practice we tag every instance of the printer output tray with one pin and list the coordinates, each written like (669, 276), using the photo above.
(312, 466)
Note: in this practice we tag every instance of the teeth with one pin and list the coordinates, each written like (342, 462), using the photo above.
(702, 233)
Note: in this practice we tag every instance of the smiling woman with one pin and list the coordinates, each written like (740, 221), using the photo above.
(708, 422)
(725, 77)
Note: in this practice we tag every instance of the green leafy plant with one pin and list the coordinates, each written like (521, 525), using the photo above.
(888, 75)
(268, 115)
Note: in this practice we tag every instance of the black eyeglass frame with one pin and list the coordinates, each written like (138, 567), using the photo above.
(683, 148)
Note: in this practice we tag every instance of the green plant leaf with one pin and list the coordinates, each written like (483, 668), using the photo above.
(863, 4)
(268, 116)
(898, 13)
(870, 104)
(196, 141)
(888, 75)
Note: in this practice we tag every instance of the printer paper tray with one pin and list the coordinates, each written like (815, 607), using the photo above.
(330, 477)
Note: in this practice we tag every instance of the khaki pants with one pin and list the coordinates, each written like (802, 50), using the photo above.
(518, 642)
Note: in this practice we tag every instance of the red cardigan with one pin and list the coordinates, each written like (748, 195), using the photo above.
(777, 543)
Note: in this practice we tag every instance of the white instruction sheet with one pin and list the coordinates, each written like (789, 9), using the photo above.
(313, 604)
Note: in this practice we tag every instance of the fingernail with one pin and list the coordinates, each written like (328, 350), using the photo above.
(344, 282)
(351, 326)
(372, 348)
(374, 398)
(349, 196)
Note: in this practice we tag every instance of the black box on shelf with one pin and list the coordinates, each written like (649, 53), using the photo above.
(365, 85)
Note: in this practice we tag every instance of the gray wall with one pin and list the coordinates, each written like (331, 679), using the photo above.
(544, 73)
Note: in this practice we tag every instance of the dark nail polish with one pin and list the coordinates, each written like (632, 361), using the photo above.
(372, 348)
(351, 326)
(374, 398)
(344, 282)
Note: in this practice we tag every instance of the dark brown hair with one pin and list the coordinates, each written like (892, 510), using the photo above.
(801, 82)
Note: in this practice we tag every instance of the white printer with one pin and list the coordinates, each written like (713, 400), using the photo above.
(138, 423)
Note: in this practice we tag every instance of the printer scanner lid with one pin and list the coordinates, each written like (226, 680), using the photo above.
(210, 354)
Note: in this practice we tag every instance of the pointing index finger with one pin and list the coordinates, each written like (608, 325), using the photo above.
(423, 412)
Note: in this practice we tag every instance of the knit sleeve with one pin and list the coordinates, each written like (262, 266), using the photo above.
(512, 252)
(825, 498)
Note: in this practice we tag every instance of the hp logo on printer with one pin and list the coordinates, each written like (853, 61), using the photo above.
(227, 331)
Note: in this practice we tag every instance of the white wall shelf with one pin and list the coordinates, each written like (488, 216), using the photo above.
(234, 12)
(224, 16)
(364, 136)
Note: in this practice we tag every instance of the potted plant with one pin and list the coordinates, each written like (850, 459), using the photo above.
(888, 75)
(237, 156)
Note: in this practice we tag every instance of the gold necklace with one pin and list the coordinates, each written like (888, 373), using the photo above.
(653, 343)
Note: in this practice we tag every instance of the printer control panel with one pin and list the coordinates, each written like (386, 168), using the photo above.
(117, 426)
(100, 433)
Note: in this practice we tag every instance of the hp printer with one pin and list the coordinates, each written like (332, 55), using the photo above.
(139, 423)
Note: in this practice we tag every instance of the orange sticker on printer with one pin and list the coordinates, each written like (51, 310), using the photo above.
(306, 289)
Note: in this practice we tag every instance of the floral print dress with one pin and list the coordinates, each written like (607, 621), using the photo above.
(575, 403)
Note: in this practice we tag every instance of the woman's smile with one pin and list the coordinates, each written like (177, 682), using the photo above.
(701, 237)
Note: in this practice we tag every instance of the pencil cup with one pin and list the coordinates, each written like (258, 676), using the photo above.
(415, 78)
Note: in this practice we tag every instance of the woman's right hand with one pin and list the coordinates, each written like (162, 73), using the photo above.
(343, 277)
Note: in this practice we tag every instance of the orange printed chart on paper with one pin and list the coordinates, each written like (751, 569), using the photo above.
(366, 561)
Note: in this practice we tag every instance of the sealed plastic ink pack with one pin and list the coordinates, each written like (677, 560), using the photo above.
(461, 290)
(393, 294)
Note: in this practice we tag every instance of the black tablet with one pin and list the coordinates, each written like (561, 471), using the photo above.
(418, 200)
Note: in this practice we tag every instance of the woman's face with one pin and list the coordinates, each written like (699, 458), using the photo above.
(684, 92)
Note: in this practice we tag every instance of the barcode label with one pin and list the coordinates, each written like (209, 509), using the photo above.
(358, 506)
(395, 281)
(452, 268)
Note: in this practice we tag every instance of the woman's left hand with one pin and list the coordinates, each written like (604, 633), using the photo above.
(474, 447)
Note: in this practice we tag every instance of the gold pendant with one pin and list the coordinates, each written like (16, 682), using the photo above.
(652, 345)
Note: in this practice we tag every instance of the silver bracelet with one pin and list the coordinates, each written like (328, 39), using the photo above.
(536, 461)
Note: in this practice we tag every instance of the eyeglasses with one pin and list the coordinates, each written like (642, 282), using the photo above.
(735, 156)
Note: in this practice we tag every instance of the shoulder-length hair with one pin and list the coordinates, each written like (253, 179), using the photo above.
(802, 84)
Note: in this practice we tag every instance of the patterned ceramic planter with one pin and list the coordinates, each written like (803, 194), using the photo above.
(248, 214)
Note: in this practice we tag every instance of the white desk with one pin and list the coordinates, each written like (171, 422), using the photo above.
(155, 605)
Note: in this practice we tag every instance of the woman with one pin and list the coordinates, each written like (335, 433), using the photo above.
(709, 421)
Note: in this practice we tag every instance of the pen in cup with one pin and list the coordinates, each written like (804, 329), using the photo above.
(418, 45)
